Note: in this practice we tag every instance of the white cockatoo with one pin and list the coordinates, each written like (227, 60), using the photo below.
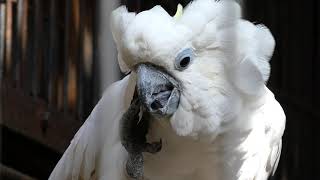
(196, 82)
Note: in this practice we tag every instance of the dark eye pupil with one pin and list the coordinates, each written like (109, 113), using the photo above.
(185, 62)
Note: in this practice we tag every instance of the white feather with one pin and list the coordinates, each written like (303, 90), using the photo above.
(96, 151)
(121, 18)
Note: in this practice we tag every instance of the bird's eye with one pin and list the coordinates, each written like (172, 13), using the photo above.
(184, 59)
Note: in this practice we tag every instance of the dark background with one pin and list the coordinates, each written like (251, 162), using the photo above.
(295, 79)
(46, 94)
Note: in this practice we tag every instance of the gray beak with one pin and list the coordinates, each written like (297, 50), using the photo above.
(157, 90)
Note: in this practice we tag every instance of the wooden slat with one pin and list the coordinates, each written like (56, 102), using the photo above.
(86, 64)
(61, 51)
(72, 56)
(20, 42)
(8, 39)
(49, 68)
(24, 44)
(75, 65)
(15, 45)
(2, 37)
(2, 56)
(37, 52)
(40, 50)
(89, 61)
(53, 54)
(29, 66)
(66, 56)
(80, 65)
(45, 56)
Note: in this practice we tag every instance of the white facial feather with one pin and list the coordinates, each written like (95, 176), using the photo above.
(231, 58)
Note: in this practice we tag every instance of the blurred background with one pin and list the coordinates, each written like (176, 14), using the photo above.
(57, 57)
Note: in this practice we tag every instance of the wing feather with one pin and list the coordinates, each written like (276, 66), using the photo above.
(81, 159)
(274, 158)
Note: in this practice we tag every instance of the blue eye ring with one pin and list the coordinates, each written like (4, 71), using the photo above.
(184, 59)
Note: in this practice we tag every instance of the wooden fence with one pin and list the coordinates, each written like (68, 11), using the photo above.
(48, 77)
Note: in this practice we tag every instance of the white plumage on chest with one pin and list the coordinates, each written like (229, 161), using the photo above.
(248, 150)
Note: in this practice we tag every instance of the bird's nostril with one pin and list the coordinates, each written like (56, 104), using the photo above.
(160, 100)
(156, 105)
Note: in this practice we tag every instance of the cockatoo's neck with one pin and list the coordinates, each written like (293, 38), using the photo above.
(183, 157)
(187, 158)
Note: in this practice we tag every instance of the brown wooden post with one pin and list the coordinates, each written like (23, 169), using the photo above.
(2, 37)
(29, 61)
(61, 56)
(72, 56)
(21, 42)
(37, 48)
(2, 56)
(66, 57)
(85, 82)
(8, 38)
(75, 57)
(53, 55)
(80, 78)
(24, 43)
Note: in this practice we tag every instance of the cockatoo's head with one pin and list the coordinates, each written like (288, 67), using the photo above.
(197, 67)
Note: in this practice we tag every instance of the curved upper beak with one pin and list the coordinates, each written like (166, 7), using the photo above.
(158, 91)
